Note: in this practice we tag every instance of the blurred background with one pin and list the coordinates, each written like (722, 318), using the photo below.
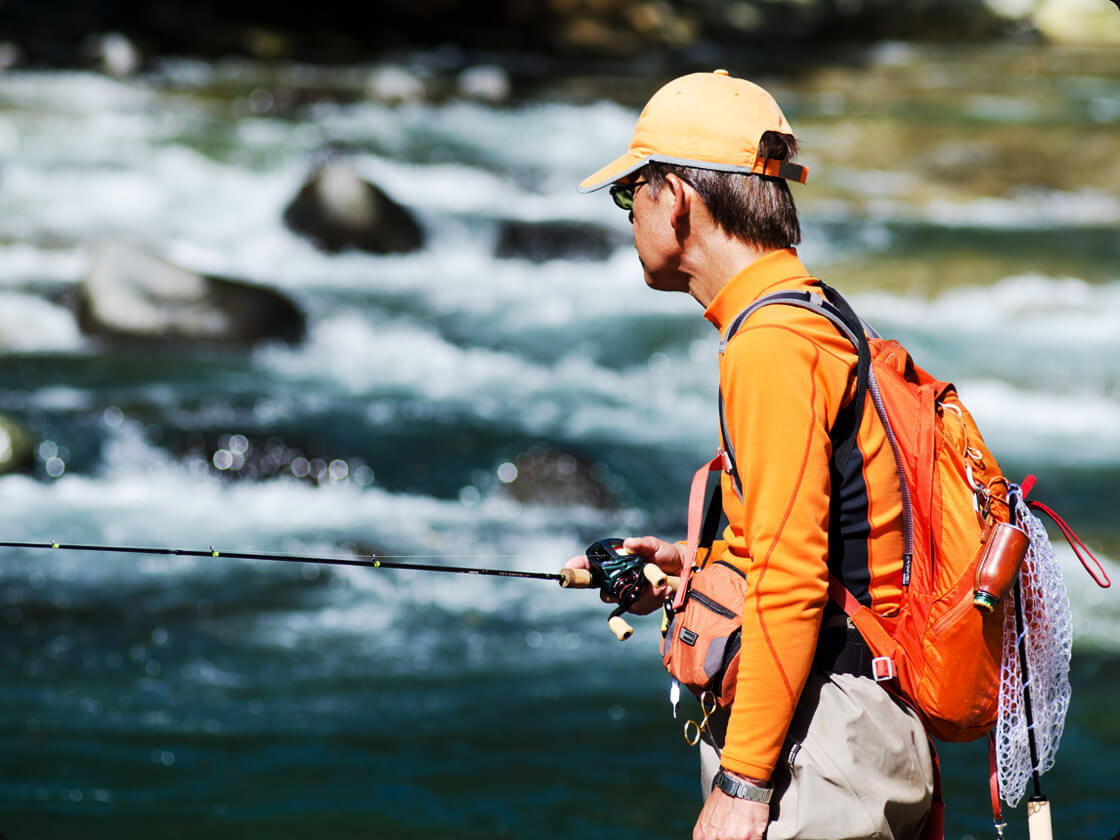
(316, 279)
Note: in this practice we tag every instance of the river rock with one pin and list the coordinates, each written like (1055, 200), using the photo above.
(131, 294)
(336, 209)
(553, 240)
(1077, 21)
(551, 476)
(17, 446)
(10, 55)
(114, 54)
(395, 85)
(486, 83)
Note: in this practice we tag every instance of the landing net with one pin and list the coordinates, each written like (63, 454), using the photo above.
(1048, 628)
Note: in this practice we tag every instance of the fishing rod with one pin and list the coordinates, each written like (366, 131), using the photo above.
(1039, 825)
(612, 569)
(372, 561)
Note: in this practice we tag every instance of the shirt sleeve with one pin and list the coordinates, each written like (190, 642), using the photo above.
(781, 392)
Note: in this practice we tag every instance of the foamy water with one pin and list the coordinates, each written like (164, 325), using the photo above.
(530, 346)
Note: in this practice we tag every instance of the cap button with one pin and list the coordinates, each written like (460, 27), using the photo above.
(721, 72)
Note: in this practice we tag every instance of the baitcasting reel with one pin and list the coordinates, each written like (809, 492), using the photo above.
(617, 573)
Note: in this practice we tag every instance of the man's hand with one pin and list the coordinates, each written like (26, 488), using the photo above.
(669, 557)
(727, 818)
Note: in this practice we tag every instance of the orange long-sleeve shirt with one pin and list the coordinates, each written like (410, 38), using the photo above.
(785, 376)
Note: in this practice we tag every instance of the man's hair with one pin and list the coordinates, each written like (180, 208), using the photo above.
(754, 208)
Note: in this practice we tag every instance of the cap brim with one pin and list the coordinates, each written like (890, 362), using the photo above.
(630, 162)
(613, 171)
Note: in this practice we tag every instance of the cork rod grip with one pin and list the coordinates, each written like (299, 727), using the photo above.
(575, 578)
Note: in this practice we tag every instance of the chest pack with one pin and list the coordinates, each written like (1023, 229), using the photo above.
(966, 533)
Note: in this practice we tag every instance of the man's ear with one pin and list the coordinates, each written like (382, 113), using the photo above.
(681, 195)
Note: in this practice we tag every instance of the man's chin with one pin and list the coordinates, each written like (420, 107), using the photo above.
(651, 280)
(671, 284)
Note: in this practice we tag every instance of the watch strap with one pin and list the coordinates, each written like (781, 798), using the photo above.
(742, 789)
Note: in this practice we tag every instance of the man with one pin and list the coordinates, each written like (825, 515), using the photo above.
(812, 747)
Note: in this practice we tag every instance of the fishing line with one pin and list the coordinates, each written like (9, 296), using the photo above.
(373, 561)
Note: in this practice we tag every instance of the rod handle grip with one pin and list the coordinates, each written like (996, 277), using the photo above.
(575, 578)
(1039, 826)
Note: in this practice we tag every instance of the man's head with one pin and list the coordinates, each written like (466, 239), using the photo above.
(729, 141)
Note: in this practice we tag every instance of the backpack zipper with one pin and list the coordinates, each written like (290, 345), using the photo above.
(904, 486)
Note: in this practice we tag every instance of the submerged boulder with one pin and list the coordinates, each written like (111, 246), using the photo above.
(255, 457)
(132, 294)
(337, 210)
(549, 476)
(553, 240)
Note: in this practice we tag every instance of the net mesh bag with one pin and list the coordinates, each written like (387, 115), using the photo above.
(1048, 632)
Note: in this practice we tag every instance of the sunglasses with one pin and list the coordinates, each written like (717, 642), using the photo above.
(623, 194)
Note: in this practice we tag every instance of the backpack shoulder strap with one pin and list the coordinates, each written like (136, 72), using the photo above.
(828, 304)
(832, 306)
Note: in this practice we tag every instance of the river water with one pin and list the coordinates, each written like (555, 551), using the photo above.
(967, 200)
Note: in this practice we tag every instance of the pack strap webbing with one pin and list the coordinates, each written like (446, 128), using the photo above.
(993, 784)
(696, 520)
(854, 327)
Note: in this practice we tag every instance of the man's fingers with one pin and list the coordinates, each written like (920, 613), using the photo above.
(647, 546)
(664, 554)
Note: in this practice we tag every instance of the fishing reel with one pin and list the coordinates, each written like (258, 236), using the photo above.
(619, 574)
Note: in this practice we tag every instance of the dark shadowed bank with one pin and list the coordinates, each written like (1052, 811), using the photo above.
(59, 33)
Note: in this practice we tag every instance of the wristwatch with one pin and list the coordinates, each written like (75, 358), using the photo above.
(742, 789)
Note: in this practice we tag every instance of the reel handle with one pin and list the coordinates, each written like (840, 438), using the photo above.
(621, 575)
(619, 625)
(658, 577)
(582, 579)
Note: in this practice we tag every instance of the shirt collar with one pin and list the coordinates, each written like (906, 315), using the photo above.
(777, 271)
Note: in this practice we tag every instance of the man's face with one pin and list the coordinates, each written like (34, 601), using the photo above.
(655, 239)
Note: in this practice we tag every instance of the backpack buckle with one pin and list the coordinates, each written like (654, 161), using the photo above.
(882, 668)
(728, 467)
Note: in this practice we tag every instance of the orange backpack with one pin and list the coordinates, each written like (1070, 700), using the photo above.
(938, 652)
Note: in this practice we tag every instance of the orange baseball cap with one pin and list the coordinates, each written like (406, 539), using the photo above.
(708, 120)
